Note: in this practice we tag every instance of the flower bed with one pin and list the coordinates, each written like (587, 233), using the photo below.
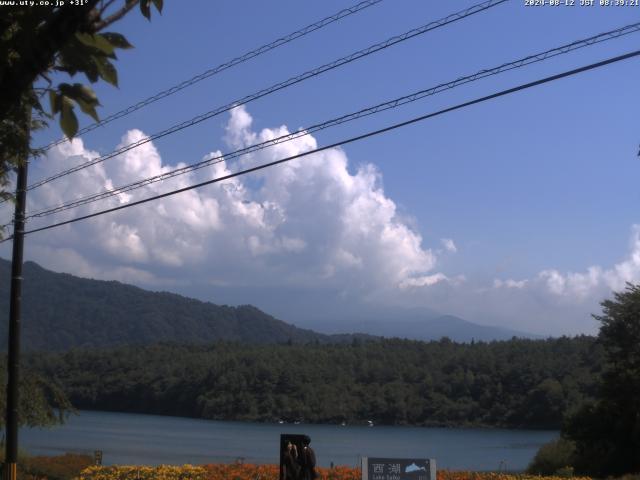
(447, 475)
(221, 471)
(163, 472)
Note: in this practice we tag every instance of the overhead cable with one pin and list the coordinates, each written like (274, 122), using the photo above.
(347, 141)
(528, 60)
(279, 86)
(223, 66)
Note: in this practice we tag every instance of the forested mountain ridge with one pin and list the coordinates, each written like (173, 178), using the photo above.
(61, 311)
(516, 383)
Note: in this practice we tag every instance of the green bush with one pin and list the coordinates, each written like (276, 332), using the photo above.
(553, 458)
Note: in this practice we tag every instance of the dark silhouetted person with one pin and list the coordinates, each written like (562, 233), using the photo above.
(291, 463)
(307, 461)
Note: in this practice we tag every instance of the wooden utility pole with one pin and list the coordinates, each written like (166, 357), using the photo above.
(13, 364)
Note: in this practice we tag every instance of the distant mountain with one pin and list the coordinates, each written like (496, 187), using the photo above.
(61, 311)
(416, 324)
(329, 311)
(450, 326)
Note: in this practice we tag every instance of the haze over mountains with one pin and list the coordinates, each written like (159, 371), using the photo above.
(61, 311)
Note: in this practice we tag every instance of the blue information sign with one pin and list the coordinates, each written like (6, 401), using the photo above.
(374, 468)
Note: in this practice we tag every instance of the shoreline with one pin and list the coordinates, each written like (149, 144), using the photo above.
(434, 425)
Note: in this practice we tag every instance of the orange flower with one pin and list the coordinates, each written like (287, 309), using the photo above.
(247, 471)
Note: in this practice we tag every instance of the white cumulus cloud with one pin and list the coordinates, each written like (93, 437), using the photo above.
(596, 279)
(312, 221)
(510, 283)
(449, 245)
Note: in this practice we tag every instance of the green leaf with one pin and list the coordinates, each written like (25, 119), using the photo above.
(96, 41)
(159, 4)
(68, 119)
(92, 73)
(106, 70)
(54, 100)
(79, 91)
(87, 94)
(83, 95)
(117, 40)
(88, 108)
(76, 57)
(145, 8)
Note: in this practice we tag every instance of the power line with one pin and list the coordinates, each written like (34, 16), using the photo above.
(538, 57)
(349, 140)
(279, 86)
(224, 66)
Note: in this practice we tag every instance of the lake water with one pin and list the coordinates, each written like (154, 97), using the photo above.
(153, 440)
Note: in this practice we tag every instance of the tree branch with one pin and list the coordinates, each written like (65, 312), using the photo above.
(100, 24)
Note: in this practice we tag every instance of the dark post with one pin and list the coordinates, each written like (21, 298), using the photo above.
(11, 457)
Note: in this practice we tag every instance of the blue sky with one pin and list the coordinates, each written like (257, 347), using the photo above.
(540, 181)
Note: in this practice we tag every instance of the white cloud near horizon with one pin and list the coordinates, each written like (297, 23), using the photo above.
(581, 286)
(563, 301)
(596, 278)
